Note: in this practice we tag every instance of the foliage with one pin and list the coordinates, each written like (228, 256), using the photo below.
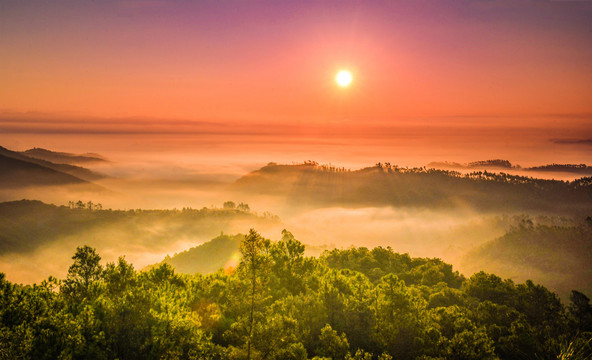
(278, 304)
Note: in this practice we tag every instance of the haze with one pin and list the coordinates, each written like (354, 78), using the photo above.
(183, 98)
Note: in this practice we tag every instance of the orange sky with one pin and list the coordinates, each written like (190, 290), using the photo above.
(264, 60)
(127, 67)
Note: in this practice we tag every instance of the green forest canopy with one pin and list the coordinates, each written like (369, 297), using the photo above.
(552, 251)
(279, 304)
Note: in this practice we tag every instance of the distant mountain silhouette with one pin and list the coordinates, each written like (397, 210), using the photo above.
(499, 164)
(481, 164)
(76, 171)
(309, 184)
(582, 169)
(21, 173)
(62, 157)
(446, 165)
(208, 257)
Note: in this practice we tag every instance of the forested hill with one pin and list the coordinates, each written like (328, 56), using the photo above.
(385, 184)
(277, 304)
(208, 257)
(28, 225)
(558, 256)
(555, 255)
(505, 165)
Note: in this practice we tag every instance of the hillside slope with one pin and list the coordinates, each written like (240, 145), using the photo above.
(559, 256)
(505, 165)
(77, 171)
(27, 225)
(16, 173)
(62, 157)
(382, 185)
(208, 257)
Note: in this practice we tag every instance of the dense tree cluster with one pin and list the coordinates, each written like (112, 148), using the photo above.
(80, 205)
(497, 163)
(278, 304)
(232, 205)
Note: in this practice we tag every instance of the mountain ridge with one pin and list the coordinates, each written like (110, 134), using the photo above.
(62, 157)
(499, 164)
(311, 184)
(16, 173)
(76, 171)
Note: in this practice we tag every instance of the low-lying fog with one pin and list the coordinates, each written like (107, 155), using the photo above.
(447, 234)
(422, 233)
(168, 180)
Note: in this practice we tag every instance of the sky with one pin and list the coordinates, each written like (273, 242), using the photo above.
(432, 80)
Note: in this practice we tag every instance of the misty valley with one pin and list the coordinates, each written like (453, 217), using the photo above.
(295, 180)
(385, 262)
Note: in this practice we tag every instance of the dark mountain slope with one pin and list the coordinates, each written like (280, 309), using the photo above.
(382, 185)
(582, 169)
(19, 173)
(505, 165)
(77, 171)
(62, 157)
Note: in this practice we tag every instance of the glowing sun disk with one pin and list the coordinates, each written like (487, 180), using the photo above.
(343, 78)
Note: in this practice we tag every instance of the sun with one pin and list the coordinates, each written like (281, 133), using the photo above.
(344, 78)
